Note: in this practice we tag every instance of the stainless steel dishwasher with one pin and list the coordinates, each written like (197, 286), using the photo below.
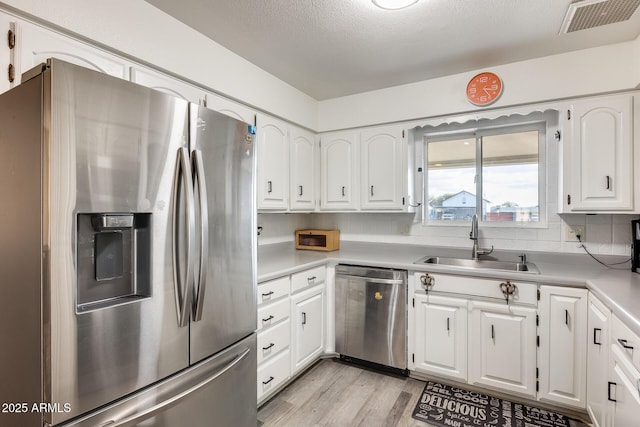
(371, 315)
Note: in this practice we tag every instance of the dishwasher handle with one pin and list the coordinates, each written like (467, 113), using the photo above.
(372, 279)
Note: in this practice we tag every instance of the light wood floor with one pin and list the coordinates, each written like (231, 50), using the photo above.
(333, 393)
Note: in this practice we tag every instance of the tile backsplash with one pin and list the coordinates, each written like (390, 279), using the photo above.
(605, 234)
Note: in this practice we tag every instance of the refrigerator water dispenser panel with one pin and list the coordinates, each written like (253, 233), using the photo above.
(113, 259)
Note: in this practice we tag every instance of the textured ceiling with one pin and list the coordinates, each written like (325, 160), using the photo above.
(332, 48)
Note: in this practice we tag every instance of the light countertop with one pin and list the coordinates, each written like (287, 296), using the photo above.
(619, 289)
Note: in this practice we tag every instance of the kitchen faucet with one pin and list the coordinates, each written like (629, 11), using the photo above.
(476, 251)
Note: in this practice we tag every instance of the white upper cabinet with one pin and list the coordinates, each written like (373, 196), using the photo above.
(383, 166)
(35, 45)
(563, 343)
(303, 161)
(166, 84)
(7, 54)
(599, 155)
(230, 108)
(273, 163)
(339, 171)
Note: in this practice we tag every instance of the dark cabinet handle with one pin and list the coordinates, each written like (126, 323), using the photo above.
(304, 318)
(493, 333)
(566, 317)
(343, 191)
(595, 331)
(268, 347)
(427, 282)
(269, 187)
(609, 384)
(268, 381)
(268, 294)
(311, 279)
(608, 182)
(624, 344)
(508, 289)
(447, 324)
(268, 318)
(300, 188)
(372, 190)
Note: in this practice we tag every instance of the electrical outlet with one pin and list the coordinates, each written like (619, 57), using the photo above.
(573, 231)
(404, 228)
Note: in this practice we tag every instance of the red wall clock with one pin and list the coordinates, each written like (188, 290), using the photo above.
(484, 89)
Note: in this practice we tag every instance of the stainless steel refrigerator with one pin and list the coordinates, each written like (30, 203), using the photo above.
(127, 256)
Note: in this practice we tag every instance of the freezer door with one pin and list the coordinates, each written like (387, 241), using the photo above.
(225, 297)
(219, 391)
(112, 148)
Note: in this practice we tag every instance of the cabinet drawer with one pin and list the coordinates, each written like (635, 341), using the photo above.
(272, 290)
(627, 341)
(308, 278)
(526, 293)
(273, 373)
(271, 314)
(272, 340)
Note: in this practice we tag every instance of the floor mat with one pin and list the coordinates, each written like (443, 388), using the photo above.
(444, 405)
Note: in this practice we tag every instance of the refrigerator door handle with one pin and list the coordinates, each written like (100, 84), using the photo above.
(162, 406)
(201, 284)
(183, 282)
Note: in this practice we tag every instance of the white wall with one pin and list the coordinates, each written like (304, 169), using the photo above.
(141, 31)
(138, 29)
(602, 69)
(605, 234)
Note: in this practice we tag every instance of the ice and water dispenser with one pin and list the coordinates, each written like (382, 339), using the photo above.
(114, 259)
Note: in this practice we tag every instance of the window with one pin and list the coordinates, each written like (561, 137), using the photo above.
(495, 171)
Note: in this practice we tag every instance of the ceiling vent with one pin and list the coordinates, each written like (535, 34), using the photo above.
(585, 14)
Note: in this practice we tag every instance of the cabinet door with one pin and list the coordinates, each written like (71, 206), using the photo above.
(7, 55)
(35, 44)
(563, 342)
(303, 170)
(273, 163)
(598, 341)
(441, 336)
(308, 326)
(383, 168)
(623, 391)
(230, 108)
(502, 351)
(338, 167)
(166, 84)
(601, 154)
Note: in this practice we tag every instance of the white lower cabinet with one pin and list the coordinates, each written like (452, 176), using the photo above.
(274, 335)
(562, 357)
(502, 347)
(598, 349)
(441, 344)
(462, 330)
(308, 328)
(273, 373)
(273, 340)
(291, 327)
(623, 390)
(623, 383)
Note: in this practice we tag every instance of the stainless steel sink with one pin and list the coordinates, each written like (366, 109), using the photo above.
(482, 264)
